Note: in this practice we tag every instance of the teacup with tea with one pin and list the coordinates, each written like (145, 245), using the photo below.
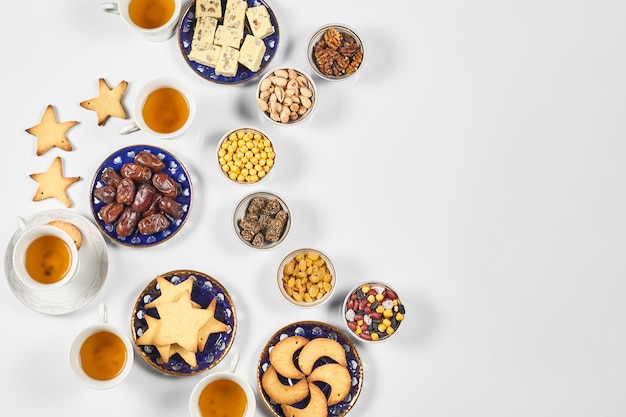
(44, 257)
(101, 356)
(155, 19)
(163, 108)
(223, 394)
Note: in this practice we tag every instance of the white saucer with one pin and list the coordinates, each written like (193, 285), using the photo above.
(92, 269)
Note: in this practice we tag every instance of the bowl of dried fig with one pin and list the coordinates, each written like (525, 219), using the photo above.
(335, 52)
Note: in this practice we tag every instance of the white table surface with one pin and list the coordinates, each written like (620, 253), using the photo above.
(477, 165)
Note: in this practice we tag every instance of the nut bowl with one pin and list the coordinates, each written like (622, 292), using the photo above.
(372, 312)
(286, 96)
(246, 155)
(335, 52)
(262, 220)
(306, 277)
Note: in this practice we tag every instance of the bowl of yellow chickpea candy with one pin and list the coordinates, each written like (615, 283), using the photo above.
(306, 277)
(246, 155)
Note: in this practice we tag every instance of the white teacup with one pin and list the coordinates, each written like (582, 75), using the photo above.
(101, 356)
(156, 20)
(44, 257)
(224, 394)
(164, 108)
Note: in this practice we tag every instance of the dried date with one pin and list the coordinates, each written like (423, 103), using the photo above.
(150, 160)
(143, 197)
(127, 223)
(170, 206)
(125, 193)
(136, 172)
(166, 185)
(110, 177)
(105, 194)
(110, 212)
(153, 223)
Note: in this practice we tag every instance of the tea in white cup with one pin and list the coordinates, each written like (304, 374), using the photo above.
(101, 356)
(163, 108)
(44, 257)
(154, 19)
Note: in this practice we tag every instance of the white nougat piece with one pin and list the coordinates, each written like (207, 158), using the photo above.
(208, 8)
(225, 36)
(259, 20)
(227, 62)
(235, 14)
(251, 53)
(204, 53)
(205, 29)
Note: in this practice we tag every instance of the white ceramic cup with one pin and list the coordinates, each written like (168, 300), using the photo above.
(195, 398)
(139, 123)
(19, 255)
(156, 34)
(110, 368)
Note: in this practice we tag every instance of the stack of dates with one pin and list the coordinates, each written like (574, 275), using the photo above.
(139, 197)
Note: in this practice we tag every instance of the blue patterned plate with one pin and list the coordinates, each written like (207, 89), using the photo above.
(204, 290)
(173, 167)
(313, 330)
(185, 36)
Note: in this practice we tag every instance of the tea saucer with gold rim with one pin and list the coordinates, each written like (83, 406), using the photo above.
(91, 274)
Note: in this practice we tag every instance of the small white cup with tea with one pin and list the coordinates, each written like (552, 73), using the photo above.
(164, 108)
(44, 257)
(156, 20)
(223, 394)
(101, 356)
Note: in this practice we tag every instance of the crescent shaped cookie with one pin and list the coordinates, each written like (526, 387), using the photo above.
(281, 393)
(317, 349)
(281, 356)
(337, 377)
(315, 408)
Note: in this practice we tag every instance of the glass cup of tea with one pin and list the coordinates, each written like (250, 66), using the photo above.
(222, 394)
(44, 257)
(101, 356)
(164, 108)
(156, 20)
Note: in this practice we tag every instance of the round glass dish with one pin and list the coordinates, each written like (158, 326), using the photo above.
(246, 155)
(306, 277)
(335, 52)
(262, 220)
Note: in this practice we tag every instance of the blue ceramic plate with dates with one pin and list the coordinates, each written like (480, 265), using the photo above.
(204, 289)
(185, 37)
(173, 168)
(313, 330)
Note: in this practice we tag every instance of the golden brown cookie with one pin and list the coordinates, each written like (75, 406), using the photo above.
(336, 376)
(281, 356)
(281, 393)
(316, 407)
(187, 355)
(51, 133)
(52, 184)
(180, 323)
(317, 349)
(71, 230)
(170, 291)
(211, 326)
(108, 103)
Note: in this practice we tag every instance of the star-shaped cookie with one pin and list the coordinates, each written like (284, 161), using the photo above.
(51, 133)
(180, 323)
(52, 183)
(171, 292)
(108, 103)
(212, 325)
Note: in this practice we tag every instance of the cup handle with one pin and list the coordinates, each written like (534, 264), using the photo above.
(22, 223)
(103, 313)
(234, 362)
(129, 128)
(110, 7)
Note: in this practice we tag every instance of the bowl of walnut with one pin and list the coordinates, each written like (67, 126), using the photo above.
(306, 277)
(335, 52)
(262, 220)
(286, 96)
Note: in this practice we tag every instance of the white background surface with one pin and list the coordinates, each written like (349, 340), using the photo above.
(477, 165)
